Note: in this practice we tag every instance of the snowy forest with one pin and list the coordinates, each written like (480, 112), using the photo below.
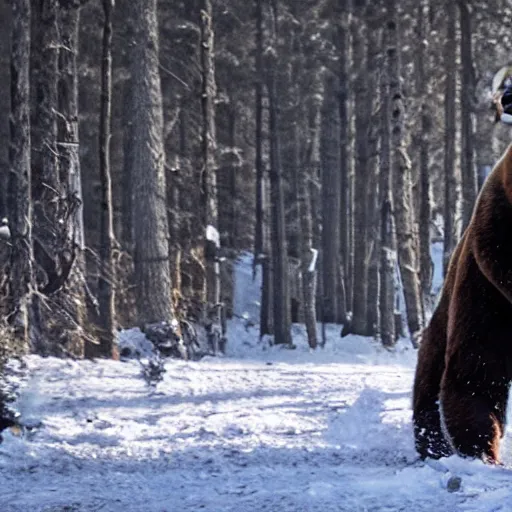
(224, 226)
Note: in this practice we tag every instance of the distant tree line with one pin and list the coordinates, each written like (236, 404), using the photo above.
(146, 144)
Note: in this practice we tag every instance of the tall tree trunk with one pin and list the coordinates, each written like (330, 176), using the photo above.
(178, 219)
(372, 233)
(175, 216)
(280, 284)
(209, 148)
(73, 300)
(152, 270)
(401, 165)
(261, 243)
(232, 225)
(127, 172)
(46, 191)
(450, 180)
(280, 287)
(267, 278)
(344, 302)
(362, 118)
(309, 254)
(19, 201)
(467, 103)
(331, 190)
(184, 229)
(107, 277)
(315, 194)
(259, 79)
(5, 55)
(424, 92)
(388, 255)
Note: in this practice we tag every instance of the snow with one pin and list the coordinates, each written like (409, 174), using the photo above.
(436, 253)
(247, 290)
(262, 429)
(312, 265)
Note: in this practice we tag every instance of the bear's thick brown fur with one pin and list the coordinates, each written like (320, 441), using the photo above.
(464, 365)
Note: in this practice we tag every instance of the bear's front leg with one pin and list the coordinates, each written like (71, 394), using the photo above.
(429, 439)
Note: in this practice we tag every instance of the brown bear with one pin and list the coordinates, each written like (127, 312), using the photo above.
(464, 367)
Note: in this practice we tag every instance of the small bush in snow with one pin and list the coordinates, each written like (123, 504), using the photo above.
(153, 370)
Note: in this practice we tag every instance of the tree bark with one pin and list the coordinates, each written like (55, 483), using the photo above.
(281, 309)
(362, 118)
(306, 160)
(232, 224)
(424, 92)
(127, 172)
(450, 180)
(388, 256)
(72, 231)
(44, 52)
(19, 184)
(407, 259)
(152, 270)
(309, 254)
(467, 103)
(209, 149)
(343, 83)
(259, 84)
(107, 277)
(331, 190)
(46, 189)
(5, 55)
(372, 233)
(262, 250)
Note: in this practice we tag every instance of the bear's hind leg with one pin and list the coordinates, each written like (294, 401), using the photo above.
(474, 422)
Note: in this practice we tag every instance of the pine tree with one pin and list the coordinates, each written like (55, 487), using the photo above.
(361, 176)
(107, 277)
(424, 92)
(450, 180)
(19, 202)
(331, 190)
(281, 299)
(372, 232)
(401, 165)
(467, 103)
(387, 238)
(151, 253)
(209, 148)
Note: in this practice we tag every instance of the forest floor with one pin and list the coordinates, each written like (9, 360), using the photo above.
(262, 429)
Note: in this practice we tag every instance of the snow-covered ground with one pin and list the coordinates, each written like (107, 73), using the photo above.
(262, 429)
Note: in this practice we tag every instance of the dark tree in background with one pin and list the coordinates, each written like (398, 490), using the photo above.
(387, 239)
(45, 178)
(280, 285)
(71, 234)
(20, 206)
(150, 223)
(209, 147)
(342, 50)
(467, 105)
(424, 91)
(373, 61)
(450, 178)
(330, 175)
(107, 277)
(261, 239)
(401, 169)
(362, 114)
